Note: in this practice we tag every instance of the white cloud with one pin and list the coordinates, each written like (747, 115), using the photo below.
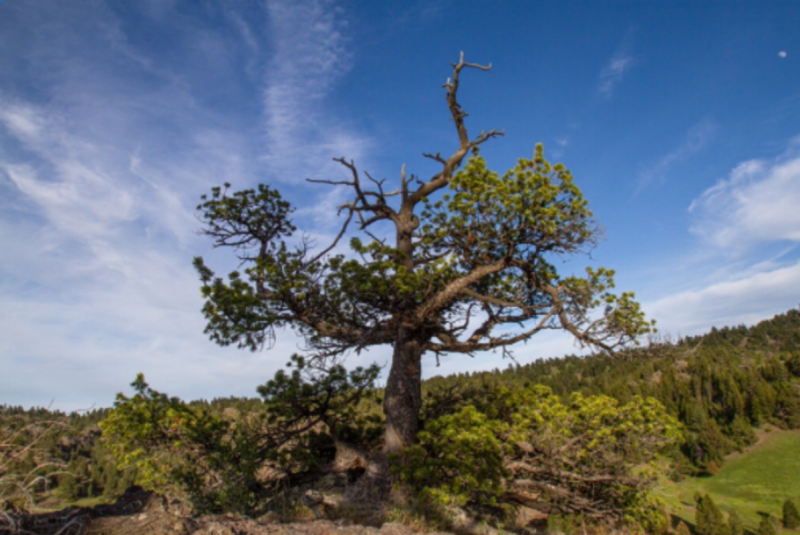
(617, 67)
(99, 172)
(612, 74)
(757, 204)
(695, 140)
(748, 299)
(311, 55)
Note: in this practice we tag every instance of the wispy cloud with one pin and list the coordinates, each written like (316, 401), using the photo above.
(748, 225)
(620, 63)
(100, 169)
(311, 55)
(736, 300)
(757, 204)
(695, 140)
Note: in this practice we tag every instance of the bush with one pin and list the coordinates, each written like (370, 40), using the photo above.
(184, 451)
(190, 452)
(578, 457)
(735, 524)
(459, 459)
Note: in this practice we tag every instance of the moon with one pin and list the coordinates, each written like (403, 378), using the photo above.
(782, 54)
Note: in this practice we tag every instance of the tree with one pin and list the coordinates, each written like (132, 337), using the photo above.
(766, 526)
(471, 253)
(735, 524)
(708, 518)
(791, 517)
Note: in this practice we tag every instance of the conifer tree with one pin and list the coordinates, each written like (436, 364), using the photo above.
(708, 518)
(735, 524)
(766, 526)
(683, 529)
(465, 244)
(791, 516)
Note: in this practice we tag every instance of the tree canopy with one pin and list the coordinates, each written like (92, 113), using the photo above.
(470, 252)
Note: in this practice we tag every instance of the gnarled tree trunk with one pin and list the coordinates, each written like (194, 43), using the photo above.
(403, 398)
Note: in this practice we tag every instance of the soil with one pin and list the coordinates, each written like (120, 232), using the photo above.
(142, 512)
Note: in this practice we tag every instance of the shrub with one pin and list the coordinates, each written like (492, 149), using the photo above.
(459, 459)
(578, 457)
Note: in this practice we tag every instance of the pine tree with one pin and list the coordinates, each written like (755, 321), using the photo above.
(466, 241)
(735, 524)
(683, 529)
(708, 518)
(767, 526)
(791, 517)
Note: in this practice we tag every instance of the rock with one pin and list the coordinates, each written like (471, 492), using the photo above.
(394, 528)
(270, 517)
(527, 516)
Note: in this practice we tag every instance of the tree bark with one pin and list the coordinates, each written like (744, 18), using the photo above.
(403, 398)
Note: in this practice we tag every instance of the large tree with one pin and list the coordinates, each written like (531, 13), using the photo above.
(469, 267)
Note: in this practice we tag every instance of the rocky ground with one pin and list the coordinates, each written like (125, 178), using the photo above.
(142, 512)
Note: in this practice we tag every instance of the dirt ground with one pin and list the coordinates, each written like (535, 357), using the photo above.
(142, 512)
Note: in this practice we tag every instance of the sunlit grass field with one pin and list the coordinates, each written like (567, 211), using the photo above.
(753, 483)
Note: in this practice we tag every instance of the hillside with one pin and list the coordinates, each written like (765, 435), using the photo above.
(724, 388)
(754, 483)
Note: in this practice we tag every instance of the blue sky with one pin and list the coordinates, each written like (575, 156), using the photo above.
(679, 120)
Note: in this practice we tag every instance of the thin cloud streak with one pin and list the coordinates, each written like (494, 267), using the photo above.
(620, 63)
(311, 56)
(731, 302)
(695, 140)
(99, 173)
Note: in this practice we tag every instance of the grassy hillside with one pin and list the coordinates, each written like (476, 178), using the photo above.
(752, 483)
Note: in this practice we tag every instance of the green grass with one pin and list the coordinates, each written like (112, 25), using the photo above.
(754, 483)
(52, 503)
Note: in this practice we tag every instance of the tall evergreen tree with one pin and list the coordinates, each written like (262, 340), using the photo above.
(735, 524)
(708, 518)
(766, 526)
(791, 516)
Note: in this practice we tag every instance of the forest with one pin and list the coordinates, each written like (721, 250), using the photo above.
(576, 441)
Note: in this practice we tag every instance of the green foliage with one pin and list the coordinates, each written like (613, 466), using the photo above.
(683, 529)
(735, 524)
(719, 387)
(766, 526)
(27, 461)
(579, 456)
(647, 513)
(193, 452)
(708, 518)
(316, 392)
(459, 459)
(182, 450)
(791, 516)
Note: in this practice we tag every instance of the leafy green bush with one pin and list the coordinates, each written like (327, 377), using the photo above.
(708, 518)
(577, 457)
(191, 452)
(182, 450)
(459, 459)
